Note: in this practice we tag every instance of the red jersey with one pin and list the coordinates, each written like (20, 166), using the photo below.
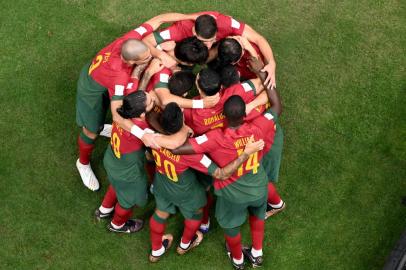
(225, 145)
(243, 64)
(123, 142)
(174, 165)
(226, 26)
(110, 71)
(202, 120)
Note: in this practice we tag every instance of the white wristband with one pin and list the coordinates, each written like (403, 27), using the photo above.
(137, 132)
(197, 104)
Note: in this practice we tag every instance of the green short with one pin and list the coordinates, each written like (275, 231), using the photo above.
(230, 214)
(128, 177)
(204, 179)
(272, 160)
(92, 102)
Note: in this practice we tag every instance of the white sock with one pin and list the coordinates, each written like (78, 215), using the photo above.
(158, 252)
(279, 205)
(240, 261)
(205, 226)
(256, 253)
(105, 210)
(117, 226)
(184, 246)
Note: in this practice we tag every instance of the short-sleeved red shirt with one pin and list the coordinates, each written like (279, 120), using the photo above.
(202, 120)
(226, 26)
(110, 71)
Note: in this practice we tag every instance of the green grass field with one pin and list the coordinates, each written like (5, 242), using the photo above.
(341, 75)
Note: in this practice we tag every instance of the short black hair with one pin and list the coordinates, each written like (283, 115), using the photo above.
(181, 82)
(229, 51)
(171, 118)
(205, 26)
(134, 105)
(229, 76)
(209, 81)
(234, 108)
(191, 50)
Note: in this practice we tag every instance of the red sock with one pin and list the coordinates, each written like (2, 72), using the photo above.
(85, 151)
(207, 207)
(110, 198)
(150, 168)
(191, 226)
(257, 232)
(121, 215)
(273, 196)
(234, 244)
(156, 230)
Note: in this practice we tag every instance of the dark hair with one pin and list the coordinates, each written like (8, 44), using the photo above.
(209, 81)
(234, 108)
(191, 50)
(205, 26)
(172, 118)
(133, 105)
(229, 51)
(181, 82)
(229, 76)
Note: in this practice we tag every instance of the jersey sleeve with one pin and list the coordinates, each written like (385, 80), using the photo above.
(122, 86)
(162, 78)
(265, 123)
(205, 143)
(174, 32)
(231, 26)
(140, 32)
(201, 162)
(247, 91)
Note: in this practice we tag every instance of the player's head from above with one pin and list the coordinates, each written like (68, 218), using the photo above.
(171, 118)
(136, 104)
(181, 82)
(234, 111)
(229, 51)
(229, 76)
(190, 51)
(135, 52)
(205, 29)
(208, 82)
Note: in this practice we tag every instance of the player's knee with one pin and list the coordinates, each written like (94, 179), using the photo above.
(161, 214)
(89, 134)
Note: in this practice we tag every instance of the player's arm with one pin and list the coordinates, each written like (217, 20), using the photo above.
(166, 97)
(157, 21)
(257, 66)
(250, 148)
(266, 51)
(154, 67)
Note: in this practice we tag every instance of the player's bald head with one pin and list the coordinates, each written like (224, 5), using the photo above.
(133, 50)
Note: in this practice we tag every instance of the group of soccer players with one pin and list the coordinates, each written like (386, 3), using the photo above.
(195, 114)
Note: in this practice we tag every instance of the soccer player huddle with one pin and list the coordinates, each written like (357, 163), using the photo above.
(195, 119)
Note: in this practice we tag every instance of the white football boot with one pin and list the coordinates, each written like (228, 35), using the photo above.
(106, 132)
(87, 175)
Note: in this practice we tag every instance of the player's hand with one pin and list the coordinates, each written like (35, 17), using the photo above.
(253, 146)
(149, 140)
(211, 101)
(167, 60)
(168, 45)
(270, 81)
(255, 65)
(155, 66)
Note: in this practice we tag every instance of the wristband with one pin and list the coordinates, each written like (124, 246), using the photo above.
(197, 104)
(137, 132)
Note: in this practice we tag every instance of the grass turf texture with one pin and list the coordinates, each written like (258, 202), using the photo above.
(341, 74)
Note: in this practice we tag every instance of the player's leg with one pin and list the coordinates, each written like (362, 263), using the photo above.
(121, 221)
(275, 203)
(107, 206)
(160, 243)
(234, 247)
(257, 225)
(205, 225)
(191, 237)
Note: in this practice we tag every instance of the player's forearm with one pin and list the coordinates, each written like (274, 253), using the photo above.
(157, 21)
(226, 172)
(272, 95)
(144, 81)
(262, 44)
(173, 141)
(259, 100)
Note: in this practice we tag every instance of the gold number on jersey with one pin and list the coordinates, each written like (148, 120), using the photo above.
(115, 143)
(168, 166)
(251, 164)
(95, 64)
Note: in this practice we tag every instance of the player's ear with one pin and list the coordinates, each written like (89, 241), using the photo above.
(193, 31)
(142, 115)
